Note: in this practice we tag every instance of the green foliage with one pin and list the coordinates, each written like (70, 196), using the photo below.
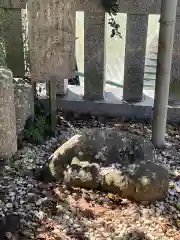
(11, 160)
(36, 131)
(112, 8)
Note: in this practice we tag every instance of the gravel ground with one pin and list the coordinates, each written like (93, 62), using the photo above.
(49, 211)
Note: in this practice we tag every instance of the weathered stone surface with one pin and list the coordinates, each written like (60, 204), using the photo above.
(105, 146)
(111, 160)
(8, 138)
(130, 6)
(136, 36)
(116, 181)
(174, 91)
(151, 182)
(61, 87)
(14, 41)
(94, 56)
(63, 156)
(24, 105)
(51, 39)
(110, 145)
(83, 174)
(140, 182)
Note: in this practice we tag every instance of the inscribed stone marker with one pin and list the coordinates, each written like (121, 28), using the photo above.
(51, 39)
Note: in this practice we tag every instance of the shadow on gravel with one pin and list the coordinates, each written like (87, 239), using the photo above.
(134, 235)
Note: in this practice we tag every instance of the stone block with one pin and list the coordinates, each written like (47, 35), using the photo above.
(24, 105)
(8, 136)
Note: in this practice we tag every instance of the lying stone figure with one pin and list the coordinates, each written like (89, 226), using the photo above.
(111, 160)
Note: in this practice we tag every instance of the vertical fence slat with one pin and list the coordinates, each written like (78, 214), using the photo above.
(136, 37)
(14, 42)
(94, 67)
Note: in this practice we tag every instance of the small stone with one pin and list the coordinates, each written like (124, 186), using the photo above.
(27, 234)
(39, 214)
(168, 145)
(136, 217)
(12, 194)
(9, 205)
(41, 236)
(145, 213)
(76, 226)
(22, 201)
(80, 153)
(7, 168)
(105, 234)
(9, 235)
(157, 214)
(118, 238)
(101, 200)
(40, 201)
(31, 195)
(1, 204)
(31, 160)
(66, 217)
(94, 196)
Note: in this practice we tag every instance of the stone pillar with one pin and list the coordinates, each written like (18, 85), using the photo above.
(94, 56)
(8, 137)
(136, 37)
(163, 75)
(174, 91)
(14, 41)
(24, 105)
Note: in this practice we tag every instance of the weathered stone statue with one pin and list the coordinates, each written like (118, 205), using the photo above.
(113, 161)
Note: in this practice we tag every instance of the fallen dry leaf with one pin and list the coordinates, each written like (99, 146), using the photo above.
(82, 204)
(177, 237)
(42, 236)
(57, 192)
(98, 210)
(72, 202)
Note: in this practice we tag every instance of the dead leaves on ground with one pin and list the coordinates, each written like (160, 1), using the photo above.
(89, 209)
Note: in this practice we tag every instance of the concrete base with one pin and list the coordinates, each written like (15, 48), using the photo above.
(113, 105)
